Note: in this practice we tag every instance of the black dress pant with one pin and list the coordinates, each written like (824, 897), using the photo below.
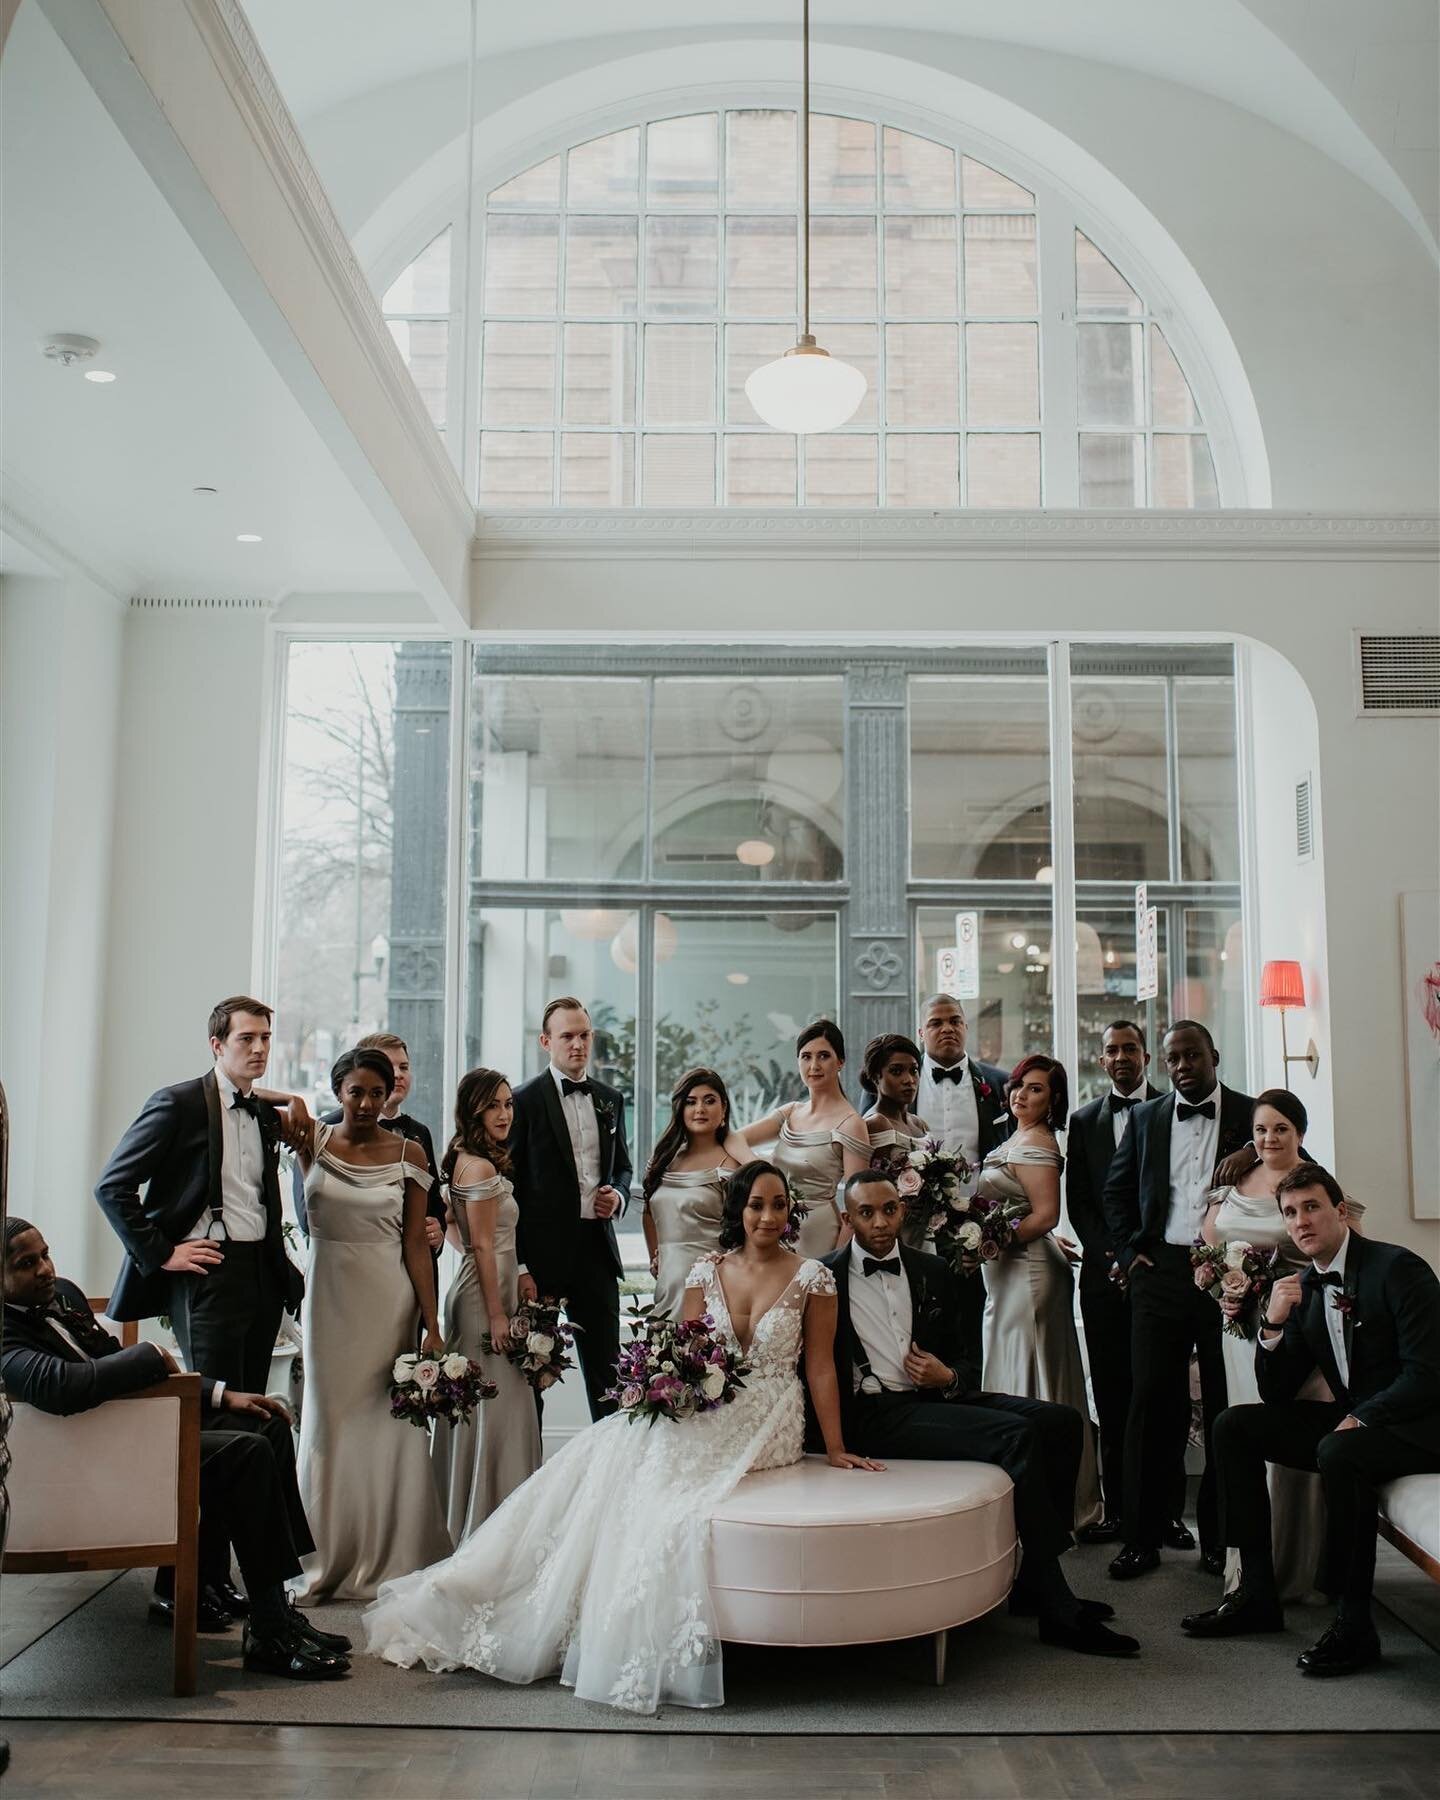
(591, 1291)
(225, 1321)
(1105, 1311)
(1353, 1464)
(1169, 1317)
(1035, 1442)
(250, 1498)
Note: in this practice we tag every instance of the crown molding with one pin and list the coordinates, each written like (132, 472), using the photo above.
(888, 535)
(59, 541)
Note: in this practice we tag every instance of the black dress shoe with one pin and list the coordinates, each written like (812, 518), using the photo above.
(287, 1653)
(1177, 1535)
(1023, 1606)
(303, 1626)
(1212, 1562)
(210, 1615)
(1341, 1651)
(231, 1598)
(1134, 1560)
(1089, 1637)
(1104, 1532)
(1237, 1615)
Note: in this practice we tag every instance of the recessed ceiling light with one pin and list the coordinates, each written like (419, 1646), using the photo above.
(100, 375)
(247, 537)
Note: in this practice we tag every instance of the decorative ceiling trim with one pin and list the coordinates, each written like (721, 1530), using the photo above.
(57, 541)
(885, 536)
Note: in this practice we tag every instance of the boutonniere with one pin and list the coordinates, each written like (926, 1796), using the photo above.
(985, 1091)
(604, 1112)
(1344, 1304)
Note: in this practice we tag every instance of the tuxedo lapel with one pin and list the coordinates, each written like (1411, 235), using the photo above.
(1100, 1146)
(215, 1140)
(1157, 1157)
(555, 1113)
(1236, 1111)
(1354, 1262)
(1315, 1333)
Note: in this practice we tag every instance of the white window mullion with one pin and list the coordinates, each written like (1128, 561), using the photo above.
(1059, 411)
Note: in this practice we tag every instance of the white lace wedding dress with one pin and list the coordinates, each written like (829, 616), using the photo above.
(597, 1565)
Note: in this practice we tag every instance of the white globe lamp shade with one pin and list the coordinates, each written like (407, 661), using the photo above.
(592, 923)
(806, 390)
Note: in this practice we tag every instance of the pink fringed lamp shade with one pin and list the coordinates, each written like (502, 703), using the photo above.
(1282, 984)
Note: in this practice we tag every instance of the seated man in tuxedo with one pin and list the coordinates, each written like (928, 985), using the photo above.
(906, 1390)
(1367, 1317)
(59, 1359)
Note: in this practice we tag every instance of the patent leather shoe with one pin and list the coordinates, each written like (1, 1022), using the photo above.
(1089, 1637)
(287, 1653)
(1134, 1560)
(1212, 1562)
(1104, 1531)
(304, 1626)
(1237, 1615)
(1341, 1651)
(230, 1597)
(1177, 1535)
(210, 1615)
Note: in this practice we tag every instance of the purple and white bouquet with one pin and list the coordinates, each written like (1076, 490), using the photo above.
(1236, 1272)
(967, 1228)
(539, 1339)
(426, 1388)
(676, 1369)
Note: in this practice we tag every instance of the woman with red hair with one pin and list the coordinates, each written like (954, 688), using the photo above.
(1031, 1345)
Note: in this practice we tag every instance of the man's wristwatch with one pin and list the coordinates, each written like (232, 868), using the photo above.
(951, 1390)
(1270, 1325)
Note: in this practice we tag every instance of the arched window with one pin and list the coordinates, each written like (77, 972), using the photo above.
(629, 284)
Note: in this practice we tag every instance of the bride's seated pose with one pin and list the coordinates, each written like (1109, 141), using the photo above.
(596, 1566)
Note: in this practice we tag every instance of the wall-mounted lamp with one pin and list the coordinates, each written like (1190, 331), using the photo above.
(1282, 984)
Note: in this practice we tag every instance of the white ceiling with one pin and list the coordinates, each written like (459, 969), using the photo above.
(108, 471)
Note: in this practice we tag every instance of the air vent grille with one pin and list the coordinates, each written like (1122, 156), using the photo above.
(1304, 838)
(1399, 674)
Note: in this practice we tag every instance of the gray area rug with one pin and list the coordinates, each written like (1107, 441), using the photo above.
(105, 1661)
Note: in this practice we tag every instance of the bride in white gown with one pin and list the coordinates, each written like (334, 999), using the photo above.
(596, 1566)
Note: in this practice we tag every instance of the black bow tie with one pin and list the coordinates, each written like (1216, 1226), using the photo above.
(872, 1266)
(958, 1073)
(573, 1087)
(1331, 1278)
(1118, 1103)
(246, 1103)
(1205, 1110)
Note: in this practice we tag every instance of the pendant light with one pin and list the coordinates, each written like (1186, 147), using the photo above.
(806, 389)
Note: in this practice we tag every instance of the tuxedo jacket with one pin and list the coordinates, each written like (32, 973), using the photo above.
(1392, 1343)
(40, 1368)
(935, 1324)
(1137, 1188)
(1089, 1151)
(548, 1237)
(176, 1147)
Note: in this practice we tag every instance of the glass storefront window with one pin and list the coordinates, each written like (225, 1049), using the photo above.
(1105, 992)
(1205, 735)
(1121, 781)
(1012, 1013)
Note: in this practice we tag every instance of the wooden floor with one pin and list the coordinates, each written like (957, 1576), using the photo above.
(154, 1762)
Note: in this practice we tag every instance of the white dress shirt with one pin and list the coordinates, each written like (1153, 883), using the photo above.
(882, 1317)
(242, 1171)
(949, 1109)
(1121, 1118)
(1193, 1143)
(584, 1129)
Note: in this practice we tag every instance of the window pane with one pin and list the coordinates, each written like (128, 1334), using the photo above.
(747, 348)
(539, 186)
(1002, 374)
(1112, 470)
(361, 928)
(679, 471)
(1171, 401)
(597, 468)
(1105, 984)
(1209, 800)
(842, 268)
(1122, 810)
(1110, 375)
(840, 471)
(679, 374)
(842, 161)
(1002, 470)
(920, 267)
(731, 994)
(1012, 1014)
(425, 286)
(519, 374)
(760, 264)
(980, 776)
(1184, 473)
(600, 258)
(605, 172)
(754, 764)
(922, 471)
(922, 375)
(759, 471)
(1213, 985)
(760, 158)
(999, 264)
(516, 468)
(599, 375)
(522, 260)
(681, 265)
(984, 186)
(557, 779)
(1099, 285)
(682, 167)
(918, 172)
(425, 346)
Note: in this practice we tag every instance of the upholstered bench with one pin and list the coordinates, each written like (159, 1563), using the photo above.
(1410, 1519)
(815, 1555)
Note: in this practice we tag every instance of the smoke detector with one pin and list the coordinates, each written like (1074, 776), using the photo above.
(66, 348)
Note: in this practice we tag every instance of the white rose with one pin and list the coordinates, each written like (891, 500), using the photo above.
(540, 1343)
(969, 1236)
(403, 1370)
(426, 1373)
(917, 1159)
(713, 1386)
(668, 1368)
(1235, 1255)
(455, 1365)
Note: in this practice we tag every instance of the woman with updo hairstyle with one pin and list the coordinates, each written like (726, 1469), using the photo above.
(818, 1141)
(1247, 1213)
(891, 1071)
(369, 1295)
(684, 1186)
(479, 1464)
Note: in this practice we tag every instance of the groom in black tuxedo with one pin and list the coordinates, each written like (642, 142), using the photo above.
(1367, 1317)
(907, 1390)
(1155, 1199)
(572, 1179)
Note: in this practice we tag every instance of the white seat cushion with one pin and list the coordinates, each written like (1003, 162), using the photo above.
(1412, 1505)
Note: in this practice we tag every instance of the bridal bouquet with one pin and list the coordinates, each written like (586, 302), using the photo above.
(675, 1369)
(539, 1338)
(967, 1228)
(1237, 1272)
(423, 1388)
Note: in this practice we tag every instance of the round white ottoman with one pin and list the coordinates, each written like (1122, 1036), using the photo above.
(815, 1555)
